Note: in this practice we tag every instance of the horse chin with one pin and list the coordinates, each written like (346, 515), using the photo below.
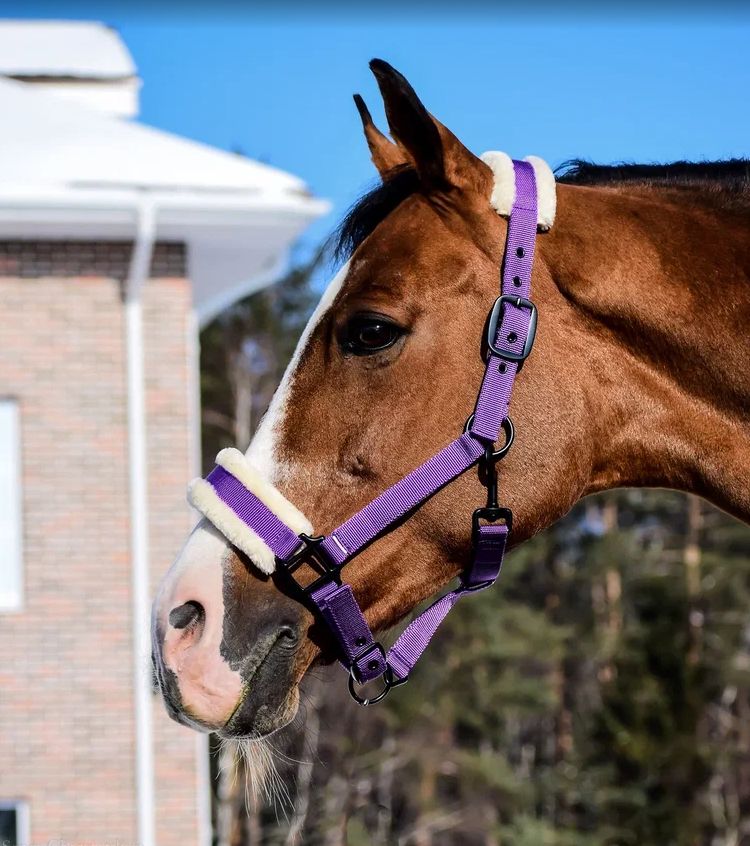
(271, 694)
(260, 713)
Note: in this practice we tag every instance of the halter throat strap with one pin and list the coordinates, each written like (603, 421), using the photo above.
(509, 339)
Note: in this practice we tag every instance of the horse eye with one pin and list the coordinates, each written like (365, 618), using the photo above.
(365, 335)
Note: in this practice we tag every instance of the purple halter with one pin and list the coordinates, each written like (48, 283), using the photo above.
(510, 337)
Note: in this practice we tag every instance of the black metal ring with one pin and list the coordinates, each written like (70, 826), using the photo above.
(510, 435)
(388, 683)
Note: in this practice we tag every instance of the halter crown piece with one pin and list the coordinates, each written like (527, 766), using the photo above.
(256, 518)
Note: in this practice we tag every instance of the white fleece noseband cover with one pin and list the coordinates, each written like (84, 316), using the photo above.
(203, 497)
(504, 189)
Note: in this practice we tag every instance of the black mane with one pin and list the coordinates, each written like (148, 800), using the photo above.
(726, 182)
(730, 176)
(372, 208)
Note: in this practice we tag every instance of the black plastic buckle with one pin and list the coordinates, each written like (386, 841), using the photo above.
(313, 553)
(491, 514)
(495, 319)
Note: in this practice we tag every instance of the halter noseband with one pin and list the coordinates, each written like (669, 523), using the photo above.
(511, 328)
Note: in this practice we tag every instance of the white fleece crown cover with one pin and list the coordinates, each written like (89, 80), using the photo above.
(504, 189)
(203, 497)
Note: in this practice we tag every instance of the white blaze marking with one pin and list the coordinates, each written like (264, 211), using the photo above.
(206, 542)
(209, 684)
(262, 449)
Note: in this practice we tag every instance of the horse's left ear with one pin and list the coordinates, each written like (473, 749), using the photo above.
(440, 158)
(386, 156)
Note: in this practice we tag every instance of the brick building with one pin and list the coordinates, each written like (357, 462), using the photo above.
(116, 242)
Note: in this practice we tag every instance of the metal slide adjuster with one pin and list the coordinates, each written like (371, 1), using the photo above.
(495, 319)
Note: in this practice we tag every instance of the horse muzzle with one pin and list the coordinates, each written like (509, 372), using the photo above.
(220, 666)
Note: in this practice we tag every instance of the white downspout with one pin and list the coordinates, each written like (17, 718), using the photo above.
(138, 475)
(203, 762)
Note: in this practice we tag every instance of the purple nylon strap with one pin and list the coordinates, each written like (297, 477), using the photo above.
(276, 535)
(499, 375)
(402, 497)
(342, 613)
(335, 602)
(485, 568)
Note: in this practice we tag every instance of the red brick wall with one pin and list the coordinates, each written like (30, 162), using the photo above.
(67, 742)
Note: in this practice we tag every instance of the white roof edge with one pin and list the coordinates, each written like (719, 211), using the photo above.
(98, 198)
(212, 306)
(236, 244)
(189, 216)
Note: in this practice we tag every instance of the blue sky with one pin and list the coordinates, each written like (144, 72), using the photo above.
(637, 85)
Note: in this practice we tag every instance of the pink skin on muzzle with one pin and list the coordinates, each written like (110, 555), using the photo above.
(210, 689)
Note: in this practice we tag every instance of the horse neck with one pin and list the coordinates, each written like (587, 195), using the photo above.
(660, 281)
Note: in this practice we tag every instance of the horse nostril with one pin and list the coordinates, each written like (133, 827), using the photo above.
(186, 614)
(288, 632)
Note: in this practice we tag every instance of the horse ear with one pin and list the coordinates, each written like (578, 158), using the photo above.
(440, 158)
(385, 154)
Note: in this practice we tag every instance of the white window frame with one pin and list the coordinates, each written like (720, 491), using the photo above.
(11, 501)
(23, 819)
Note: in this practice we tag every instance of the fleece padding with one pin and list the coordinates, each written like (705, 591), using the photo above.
(203, 497)
(504, 187)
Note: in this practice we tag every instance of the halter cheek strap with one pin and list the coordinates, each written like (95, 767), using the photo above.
(230, 498)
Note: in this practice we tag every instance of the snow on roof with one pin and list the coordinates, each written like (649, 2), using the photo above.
(67, 171)
(50, 141)
(79, 49)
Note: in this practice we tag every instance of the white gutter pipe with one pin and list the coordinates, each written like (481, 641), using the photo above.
(140, 263)
(203, 760)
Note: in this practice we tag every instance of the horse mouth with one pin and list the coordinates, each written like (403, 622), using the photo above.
(269, 700)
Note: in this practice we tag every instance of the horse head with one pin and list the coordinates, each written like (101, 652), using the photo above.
(385, 374)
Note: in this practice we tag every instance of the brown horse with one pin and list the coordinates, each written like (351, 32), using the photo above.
(640, 376)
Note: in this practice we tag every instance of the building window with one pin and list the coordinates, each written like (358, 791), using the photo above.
(11, 565)
(14, 823)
